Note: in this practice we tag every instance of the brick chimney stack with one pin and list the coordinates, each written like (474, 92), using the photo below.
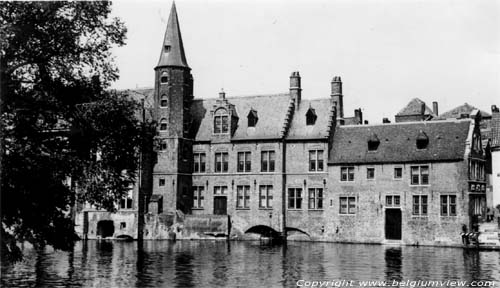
(337, 96)
(295, 90)
(435, 108)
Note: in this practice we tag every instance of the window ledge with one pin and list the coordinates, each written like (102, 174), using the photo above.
(425, 217)
(198, 208)
(349, 215)
(242, 209)
(315, 210)
(295, 209)
(264, 208)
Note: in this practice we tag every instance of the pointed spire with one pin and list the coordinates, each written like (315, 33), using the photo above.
(172, 52)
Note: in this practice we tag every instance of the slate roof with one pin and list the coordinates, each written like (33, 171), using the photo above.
(462, 109)
(173, 39)
(495, 130)
(320, 129)
(271, 109)
(414, 107)
(398, 142)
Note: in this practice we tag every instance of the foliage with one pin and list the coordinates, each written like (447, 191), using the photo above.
(61, 127)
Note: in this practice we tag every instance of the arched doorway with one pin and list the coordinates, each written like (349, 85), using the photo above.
(105, 228)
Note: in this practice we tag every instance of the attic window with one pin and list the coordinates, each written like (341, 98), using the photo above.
(252, 118)
(311, 116)
(167, 48)
(422, 140)
(373, 142)
(221, 122)
(163, 101)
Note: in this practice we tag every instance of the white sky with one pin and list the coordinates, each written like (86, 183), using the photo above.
(387, 52)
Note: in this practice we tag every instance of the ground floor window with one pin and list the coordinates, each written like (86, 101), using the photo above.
(419, 205)
(448, 205)
(266, 196)
(198, 197)
(295, 198)
(392, 201)
(347, 205)
(242, 196)
(315, 198)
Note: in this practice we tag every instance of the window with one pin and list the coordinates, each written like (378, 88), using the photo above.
(126, 201)
(315, 198)
(373, 142)
(242, 196)
(267, 161)
(163, 124)
(295, 198)
(422, 140)
(244, 162)
(199, 162)
(161, 182)
(420, 205)
(316, 160)
(392, 201)
(370, 173)
(123, 225)
(167, 48)
(221, 162)
(476, 170)
(163, 101)
(347, 205)
(311, 116)
(221, 122)
(398, 173)
(266, 196)
(163, 145)
(252, 118)
(346, 173)
(420, 175)
(198, 197)
(164, 79)
(448, 205)
(220, 190)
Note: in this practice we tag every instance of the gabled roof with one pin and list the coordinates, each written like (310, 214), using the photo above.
(271, 109)
(172, 51)
(462, 109)
(414, 107)
(299, 130)
(447, 142)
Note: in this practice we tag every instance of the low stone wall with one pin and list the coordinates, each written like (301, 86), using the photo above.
(123, 224)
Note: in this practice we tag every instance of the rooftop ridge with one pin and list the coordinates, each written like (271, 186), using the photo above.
(449, 120)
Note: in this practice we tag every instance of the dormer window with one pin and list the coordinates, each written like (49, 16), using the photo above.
(163, 124)
(252, 118)
(221, 122)
(163, 101)
(164, 78)
(373, 142)
(311, 116)
(167, 48)
(422, 140)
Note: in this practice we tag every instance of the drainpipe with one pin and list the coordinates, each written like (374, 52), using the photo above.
(283, 189)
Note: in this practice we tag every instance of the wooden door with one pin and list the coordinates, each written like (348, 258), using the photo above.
(393, 224)
(220, 205)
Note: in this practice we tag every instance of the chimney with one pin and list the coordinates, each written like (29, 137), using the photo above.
(435, 108)
(336, 95)
(222, 94)
(386, 120)
(494, 109)
(358, 114)
(295, 90)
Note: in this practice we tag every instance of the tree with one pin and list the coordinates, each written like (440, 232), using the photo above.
(61, 127)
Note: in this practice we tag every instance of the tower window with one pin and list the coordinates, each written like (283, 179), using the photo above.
(164, 78)
(221, 122)
(167, 48)
(163, 124)
(311, 116)
(163, 101)
(252, 118)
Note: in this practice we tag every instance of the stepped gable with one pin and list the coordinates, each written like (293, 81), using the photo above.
(299, 128)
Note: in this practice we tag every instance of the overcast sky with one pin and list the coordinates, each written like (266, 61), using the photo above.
(387, 52)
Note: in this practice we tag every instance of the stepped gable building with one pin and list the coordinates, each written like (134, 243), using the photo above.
(413, 181)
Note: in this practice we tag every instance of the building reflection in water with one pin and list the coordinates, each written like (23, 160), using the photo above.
(393, 264)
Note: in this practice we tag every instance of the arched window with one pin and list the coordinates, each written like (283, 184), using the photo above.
(164, 78)
(163, 124)
(163, 101)
(221, 122)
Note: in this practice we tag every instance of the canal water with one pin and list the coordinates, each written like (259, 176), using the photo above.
(246, 264)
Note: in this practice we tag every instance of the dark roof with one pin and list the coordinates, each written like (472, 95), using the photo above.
(414, 107)
(495, 130)
(323, 109)
(272, 110)
(462, 109)
(175, 55)
(398, 142)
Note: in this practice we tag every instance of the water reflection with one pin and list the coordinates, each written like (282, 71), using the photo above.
(248, 264)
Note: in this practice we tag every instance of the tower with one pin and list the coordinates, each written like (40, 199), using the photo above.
(173, 94)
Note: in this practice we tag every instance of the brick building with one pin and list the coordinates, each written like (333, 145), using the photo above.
(279, 164)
